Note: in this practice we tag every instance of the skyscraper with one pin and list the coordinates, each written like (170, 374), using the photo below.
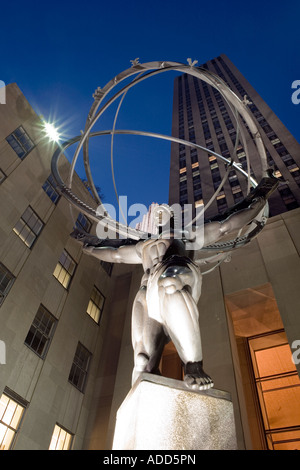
(201, 115)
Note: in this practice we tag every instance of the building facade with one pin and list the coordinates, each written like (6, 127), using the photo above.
(54, 301)
(201, 115)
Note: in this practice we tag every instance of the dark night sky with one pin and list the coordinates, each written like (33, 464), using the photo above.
(60, 52)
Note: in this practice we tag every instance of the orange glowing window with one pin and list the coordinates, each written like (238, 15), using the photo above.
(278, 387)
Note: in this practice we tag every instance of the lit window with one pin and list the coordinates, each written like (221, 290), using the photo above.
(236, 189)
(41, 331)
(6, 281)
(28, 227)
(211, 158)
(61, 439)
(50, 189)
(195, 165)
(214, 165)
(241, 155)
(20, 141)
(199, 203)
(182, 170)
(95, 305)
(11, 412)
(83, 223)
(275, 141)
(80, 366)
(65, 269)
(278, 388)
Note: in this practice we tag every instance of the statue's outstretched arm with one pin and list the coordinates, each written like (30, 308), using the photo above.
(123, 254)
(242, 214)
(215, 230)
(110, 250)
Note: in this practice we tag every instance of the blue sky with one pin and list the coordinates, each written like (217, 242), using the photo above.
(60, 52)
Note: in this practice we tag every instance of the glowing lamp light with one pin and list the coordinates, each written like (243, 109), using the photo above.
(51, 132)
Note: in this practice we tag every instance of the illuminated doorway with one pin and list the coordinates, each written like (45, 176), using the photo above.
(267, 378)
(278, 387)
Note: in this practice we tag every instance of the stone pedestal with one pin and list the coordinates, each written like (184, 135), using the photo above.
(163, 414)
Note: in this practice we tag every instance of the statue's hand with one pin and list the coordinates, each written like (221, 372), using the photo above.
(88, 250)
(85, 238)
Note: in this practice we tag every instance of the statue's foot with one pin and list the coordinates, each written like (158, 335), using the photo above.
(195, 377)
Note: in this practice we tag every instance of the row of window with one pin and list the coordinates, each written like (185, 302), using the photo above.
(42, 329)
(12, 410)
(216, 176)
(30, 225)
(38, 340)
(63, 272)
(285, 192)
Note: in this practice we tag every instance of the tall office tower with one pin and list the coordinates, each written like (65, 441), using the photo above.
(201, 115)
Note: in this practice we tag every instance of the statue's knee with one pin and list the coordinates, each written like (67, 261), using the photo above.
(170, 284)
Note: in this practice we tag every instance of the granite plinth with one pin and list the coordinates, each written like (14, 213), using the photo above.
(163, 414)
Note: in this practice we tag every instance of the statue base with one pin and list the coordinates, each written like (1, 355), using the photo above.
(163, 414)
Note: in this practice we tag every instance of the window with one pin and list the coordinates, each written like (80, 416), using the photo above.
(11, 411)
(41, 331)
(95, 305)
(83, 223)
(50, 189)
(6, 281)
(79, 369)
(236, 189)
(20, 141)
(65, 269)
(61, 439)
(108, 267)
(28, 227)
(275, 141)
(278, 388)
(199, 203)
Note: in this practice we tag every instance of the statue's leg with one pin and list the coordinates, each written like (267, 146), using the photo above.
(148, 338)
(180, 315)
